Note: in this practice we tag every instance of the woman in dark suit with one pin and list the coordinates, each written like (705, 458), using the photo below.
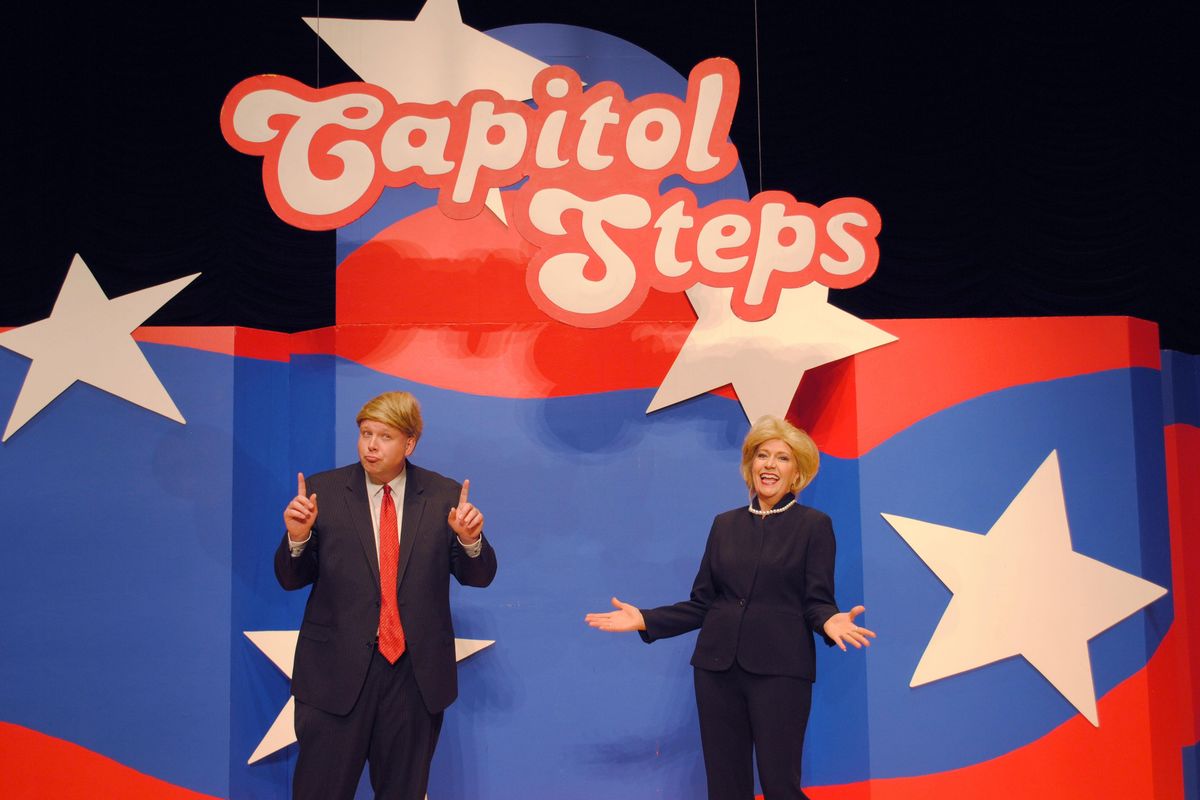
(764, 586)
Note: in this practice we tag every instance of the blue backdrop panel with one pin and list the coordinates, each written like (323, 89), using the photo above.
(117, 579)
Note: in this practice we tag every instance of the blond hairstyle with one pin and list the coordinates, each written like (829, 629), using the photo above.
(808, 458)
(398, 409)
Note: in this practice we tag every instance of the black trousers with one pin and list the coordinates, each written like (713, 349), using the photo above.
(389, 728)
(746, 717)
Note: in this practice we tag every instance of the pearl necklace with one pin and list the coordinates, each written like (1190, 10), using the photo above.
(758, 512)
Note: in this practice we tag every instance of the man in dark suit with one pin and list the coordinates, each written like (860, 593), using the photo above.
(375, 665)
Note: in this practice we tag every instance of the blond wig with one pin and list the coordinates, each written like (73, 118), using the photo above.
(398, 409)
(803, 448)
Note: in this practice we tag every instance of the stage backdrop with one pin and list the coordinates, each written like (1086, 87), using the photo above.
(547, 237)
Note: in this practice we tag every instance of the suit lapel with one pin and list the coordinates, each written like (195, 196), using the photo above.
(410, 527)
(358, 505)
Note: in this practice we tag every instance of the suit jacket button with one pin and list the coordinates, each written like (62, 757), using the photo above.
(742, 602)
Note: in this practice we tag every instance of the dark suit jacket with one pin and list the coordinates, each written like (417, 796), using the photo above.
(341, 562)
(765, 585)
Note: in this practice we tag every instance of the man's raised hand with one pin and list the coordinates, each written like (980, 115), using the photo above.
(301, 513)
(465, 519)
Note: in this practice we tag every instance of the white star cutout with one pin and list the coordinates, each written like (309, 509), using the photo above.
(430, 59)
(763, 360)
(87, 338)
(1021, 590)
(280, 647)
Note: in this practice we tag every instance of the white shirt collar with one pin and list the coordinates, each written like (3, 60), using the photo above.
(397, 483)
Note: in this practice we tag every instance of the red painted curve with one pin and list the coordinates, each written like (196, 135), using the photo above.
(849, 406)
(35, 766)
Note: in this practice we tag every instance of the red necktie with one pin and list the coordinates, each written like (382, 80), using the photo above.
(391, 632)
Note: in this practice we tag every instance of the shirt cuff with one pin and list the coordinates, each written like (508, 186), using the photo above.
(298, 547)
(474, 548)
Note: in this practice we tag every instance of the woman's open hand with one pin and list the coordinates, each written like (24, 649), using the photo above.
(625, 618)
(841, 628)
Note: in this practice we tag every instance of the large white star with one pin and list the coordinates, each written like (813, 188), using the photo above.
(87, 338)
(1021, 590)
(430, 59)
(763, 360)
(280, 647)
